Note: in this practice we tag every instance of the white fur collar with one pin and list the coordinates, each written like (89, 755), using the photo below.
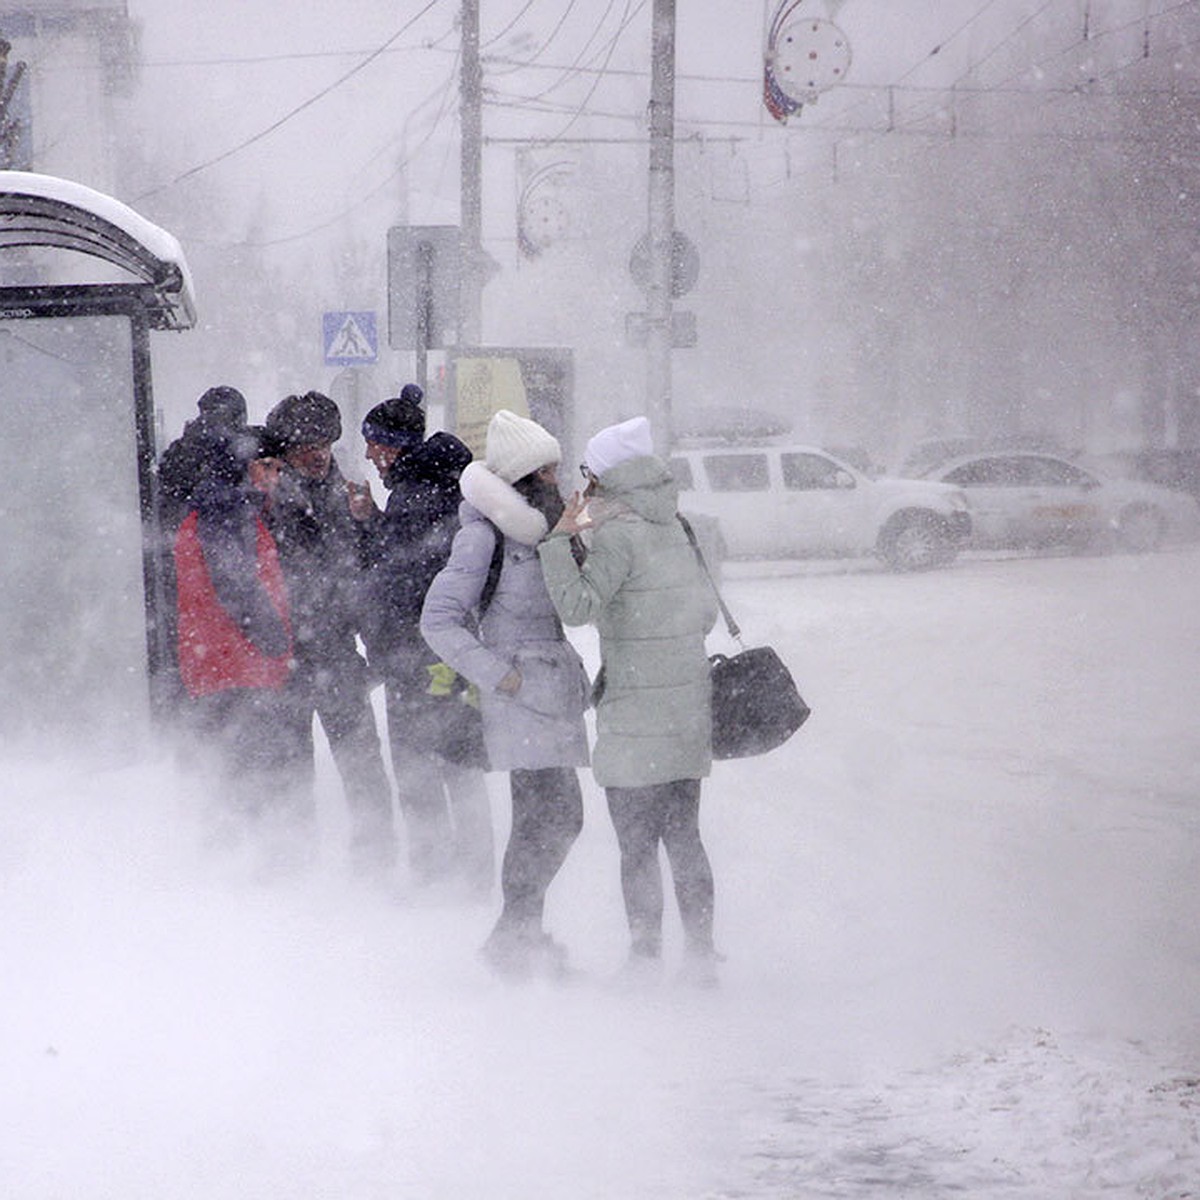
(502, 504)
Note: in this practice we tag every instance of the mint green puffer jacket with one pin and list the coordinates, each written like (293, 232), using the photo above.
(643, 590)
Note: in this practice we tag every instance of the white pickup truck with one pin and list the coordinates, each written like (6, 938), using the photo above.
(787, 501)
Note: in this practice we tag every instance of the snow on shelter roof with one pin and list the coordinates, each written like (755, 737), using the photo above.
(44, 210)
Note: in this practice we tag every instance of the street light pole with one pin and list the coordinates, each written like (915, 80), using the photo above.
(661, 205)
(471, 203)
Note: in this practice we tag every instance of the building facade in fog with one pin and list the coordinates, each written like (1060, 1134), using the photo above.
(68, 65)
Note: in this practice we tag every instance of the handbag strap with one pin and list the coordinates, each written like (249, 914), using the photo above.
(730, 624)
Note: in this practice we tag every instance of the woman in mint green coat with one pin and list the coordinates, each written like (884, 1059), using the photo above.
(642, 588)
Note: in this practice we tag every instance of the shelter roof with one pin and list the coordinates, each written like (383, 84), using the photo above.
(44, 210)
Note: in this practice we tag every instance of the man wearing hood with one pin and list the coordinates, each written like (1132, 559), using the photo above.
(319, 550)
(434, 729)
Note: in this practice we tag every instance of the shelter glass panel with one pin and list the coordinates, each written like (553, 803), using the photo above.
(72, 611)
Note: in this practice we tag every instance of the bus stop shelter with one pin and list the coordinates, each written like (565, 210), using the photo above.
(84, 280)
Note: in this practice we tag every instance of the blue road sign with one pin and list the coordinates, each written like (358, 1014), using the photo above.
(350, 339)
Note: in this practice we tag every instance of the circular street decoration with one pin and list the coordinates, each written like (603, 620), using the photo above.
(685, 264)
(543, 220)
(807, 57)
(543, 217)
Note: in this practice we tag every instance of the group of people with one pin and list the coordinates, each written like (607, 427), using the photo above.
(459, 589)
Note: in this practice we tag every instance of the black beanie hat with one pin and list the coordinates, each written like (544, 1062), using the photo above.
(307, 420)
(398, 422)
(223, 406)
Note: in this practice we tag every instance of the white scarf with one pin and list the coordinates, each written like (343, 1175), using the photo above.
(502, 504)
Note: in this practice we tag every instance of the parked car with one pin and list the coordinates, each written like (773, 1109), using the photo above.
(927, 455)
(800, 501)
(1025, 500)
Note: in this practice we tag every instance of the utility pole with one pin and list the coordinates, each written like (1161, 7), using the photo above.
(661, 205)
(471, 204)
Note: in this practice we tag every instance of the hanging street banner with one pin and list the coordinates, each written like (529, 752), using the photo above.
(350, 339)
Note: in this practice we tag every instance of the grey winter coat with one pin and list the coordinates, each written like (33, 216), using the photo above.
(542, 725)
(643, 590)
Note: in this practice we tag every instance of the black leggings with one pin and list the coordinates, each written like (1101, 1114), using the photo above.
(643, 817)
(547, 816)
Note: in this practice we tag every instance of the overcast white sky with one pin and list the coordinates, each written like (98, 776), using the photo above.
(225, 72)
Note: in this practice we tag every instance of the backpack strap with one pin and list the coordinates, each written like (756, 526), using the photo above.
(494, 568)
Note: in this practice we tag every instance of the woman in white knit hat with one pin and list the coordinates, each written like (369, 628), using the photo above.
(491, 619)
(642, 588)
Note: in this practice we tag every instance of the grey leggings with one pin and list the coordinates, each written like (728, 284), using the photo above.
(666, 813)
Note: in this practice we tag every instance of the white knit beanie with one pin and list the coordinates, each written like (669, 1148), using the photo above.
(617, 444)
(516, 446)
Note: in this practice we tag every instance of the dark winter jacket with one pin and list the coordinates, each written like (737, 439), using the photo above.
(318, 544)
(187, 461)
(406, 546)
(234, 630)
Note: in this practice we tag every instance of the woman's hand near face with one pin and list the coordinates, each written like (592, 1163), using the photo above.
(574, 517)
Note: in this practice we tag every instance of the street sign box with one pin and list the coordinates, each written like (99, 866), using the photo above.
(683, 329)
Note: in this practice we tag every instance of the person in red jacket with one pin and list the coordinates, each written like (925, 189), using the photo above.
(235, 636)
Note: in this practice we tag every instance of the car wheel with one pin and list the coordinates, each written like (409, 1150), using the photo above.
(915, 541)
(1140, 529)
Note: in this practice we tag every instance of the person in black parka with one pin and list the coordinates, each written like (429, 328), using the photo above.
(184, 463)
(434, 728)
(319, 550)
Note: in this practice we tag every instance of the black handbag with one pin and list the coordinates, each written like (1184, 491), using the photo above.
(756, 705)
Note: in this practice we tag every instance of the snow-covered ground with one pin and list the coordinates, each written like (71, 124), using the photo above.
(959, 909)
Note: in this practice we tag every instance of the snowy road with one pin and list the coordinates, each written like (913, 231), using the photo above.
(959, 911)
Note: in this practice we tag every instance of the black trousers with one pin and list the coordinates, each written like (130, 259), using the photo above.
(337, 693)
(666, 814)
(246, 739)
(547, 816)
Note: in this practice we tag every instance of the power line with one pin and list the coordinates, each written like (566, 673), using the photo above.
(531, 61)
(370, 58)
(492, 40)
(1046, 95)
(441, 93)
(253, 60)
(938, 48)
(627, 19)
(574, 69)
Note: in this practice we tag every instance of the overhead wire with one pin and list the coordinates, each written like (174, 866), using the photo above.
(973, 92)
(515, 21)
(605, 69)
(627, 19)
(439, 93)
(574, 69)
(1048, 96)
(308, 103)
(949, 89)
(531, 61)
(937, 49)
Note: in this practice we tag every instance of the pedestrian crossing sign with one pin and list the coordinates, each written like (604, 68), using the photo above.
(350, 339)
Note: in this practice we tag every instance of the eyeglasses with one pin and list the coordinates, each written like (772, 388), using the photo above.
(586, 472)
